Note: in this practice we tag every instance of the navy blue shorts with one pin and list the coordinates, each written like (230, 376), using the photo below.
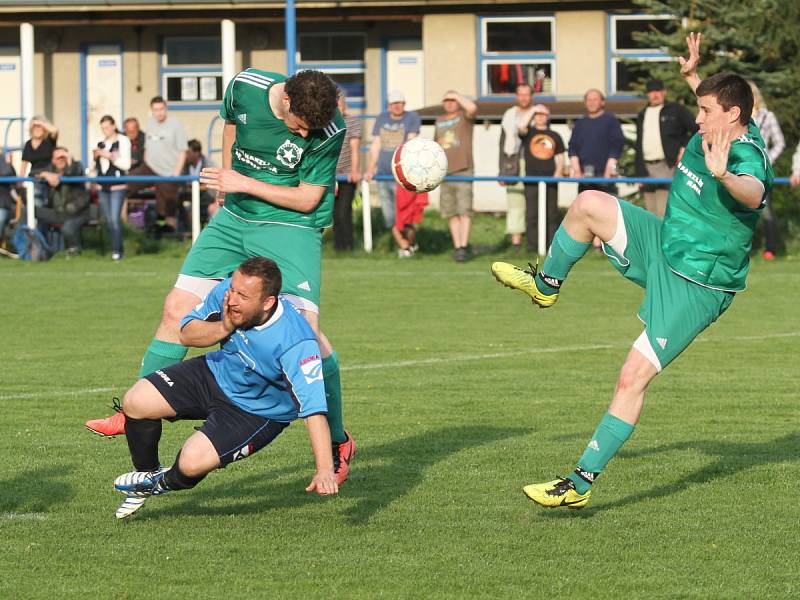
(190, 389)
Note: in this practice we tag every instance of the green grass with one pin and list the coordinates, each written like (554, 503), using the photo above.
(458, 392)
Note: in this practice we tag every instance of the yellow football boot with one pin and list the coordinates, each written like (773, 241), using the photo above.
(559, 492)
(524, 281)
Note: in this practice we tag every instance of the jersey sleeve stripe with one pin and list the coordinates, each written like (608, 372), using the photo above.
(257, 76)
(259, 84)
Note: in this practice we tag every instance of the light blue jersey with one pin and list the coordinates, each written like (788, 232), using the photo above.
(273, 370)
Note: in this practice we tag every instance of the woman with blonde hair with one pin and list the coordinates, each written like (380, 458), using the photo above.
(774, 143)
(37, 155)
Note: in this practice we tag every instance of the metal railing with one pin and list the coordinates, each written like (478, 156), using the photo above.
(366, 204)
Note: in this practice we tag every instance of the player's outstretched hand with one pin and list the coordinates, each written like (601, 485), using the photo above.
(223, 180)
(689, 65)
(716, 145)
(324, 483)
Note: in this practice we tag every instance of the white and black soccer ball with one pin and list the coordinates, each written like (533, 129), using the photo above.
(419, 165)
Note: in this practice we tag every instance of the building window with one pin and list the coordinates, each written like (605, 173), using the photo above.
(631, 58)
(515, 50)
(341, 56)
(191, 70)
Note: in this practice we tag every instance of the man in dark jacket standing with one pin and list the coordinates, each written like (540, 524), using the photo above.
(663, 129)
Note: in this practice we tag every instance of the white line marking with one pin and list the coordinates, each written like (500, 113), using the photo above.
(434, 361)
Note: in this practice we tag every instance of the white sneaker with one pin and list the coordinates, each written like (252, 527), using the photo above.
(116, 256)
(129, 506)
(404, 253)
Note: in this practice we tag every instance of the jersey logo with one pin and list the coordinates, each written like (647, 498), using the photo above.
(662, 342)
(304, 286)
(312, 368)
(289, 154)
(243, 118)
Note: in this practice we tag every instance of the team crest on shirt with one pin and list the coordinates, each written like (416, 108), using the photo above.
(289, 154)
(312, 368)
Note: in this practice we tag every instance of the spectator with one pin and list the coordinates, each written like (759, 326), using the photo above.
(795, 177)
(663, 128)
(164, 156)
(544, 156)
(137, 139)
(37, 155)
(349, 166)
(112, 158)
(8, 203)
(454, 134)
(196, 161)
(774, 143)
(510, 157)
(596, 143)
(67, 203)
(410, 206)
(392, 128)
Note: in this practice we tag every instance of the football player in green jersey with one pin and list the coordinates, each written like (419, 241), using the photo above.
(690, 264)
(280, 146)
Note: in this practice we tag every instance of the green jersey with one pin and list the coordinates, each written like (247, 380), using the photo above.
(266, 150)
(706, 233)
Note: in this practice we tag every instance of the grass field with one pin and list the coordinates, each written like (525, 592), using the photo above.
(458, 393)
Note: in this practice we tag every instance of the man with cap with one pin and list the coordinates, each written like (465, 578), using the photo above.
(543, 150)
(392, 128)
(663, 128)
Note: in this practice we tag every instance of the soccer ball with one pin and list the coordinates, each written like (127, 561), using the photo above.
(419, 165)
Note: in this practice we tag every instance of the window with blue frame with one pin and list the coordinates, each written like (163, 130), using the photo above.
(630, 57)
(515, 50)
(341, 56)
(191, 70)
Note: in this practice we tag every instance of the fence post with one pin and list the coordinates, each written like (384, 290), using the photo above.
(366, 215)
(195, 210)
(29, 203)
(542, 249)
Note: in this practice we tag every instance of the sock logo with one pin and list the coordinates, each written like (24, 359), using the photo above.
(587, 476)
(594, 446)
(551, 281)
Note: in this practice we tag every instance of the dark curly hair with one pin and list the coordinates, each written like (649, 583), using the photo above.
(312, 97)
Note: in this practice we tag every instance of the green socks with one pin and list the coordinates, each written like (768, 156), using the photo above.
(333, 395)
(160, 354)
(564, 252)
(608, 438)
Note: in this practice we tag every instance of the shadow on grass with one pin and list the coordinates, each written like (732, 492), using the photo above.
(380, 475)
(731, 458)
(36, 491)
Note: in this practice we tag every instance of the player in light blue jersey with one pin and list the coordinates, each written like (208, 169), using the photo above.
(267, 373)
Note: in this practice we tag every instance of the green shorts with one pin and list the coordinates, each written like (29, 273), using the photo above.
(675, 310)
(229, 240)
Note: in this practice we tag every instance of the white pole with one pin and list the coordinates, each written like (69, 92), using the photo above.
(26, 66)
(366, 215)
(195, 210)
(30, 207)
(228, 51)
(542, 249)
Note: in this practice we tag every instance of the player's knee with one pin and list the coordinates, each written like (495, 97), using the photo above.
(174, 310)
(588, 203)
(634, 377)
(131, 403)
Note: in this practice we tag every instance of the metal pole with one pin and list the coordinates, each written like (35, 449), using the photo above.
(291, 37)
(195, 210)
(542, 249)
(29, 205)
(366, 215)
(228, 51)
(26, 66)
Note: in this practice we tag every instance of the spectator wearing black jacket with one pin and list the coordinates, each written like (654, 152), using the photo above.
(8, 203)
(67, 203)
(663, 128)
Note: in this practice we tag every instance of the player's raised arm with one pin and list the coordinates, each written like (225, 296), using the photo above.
(745, 189)
(689, 65)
